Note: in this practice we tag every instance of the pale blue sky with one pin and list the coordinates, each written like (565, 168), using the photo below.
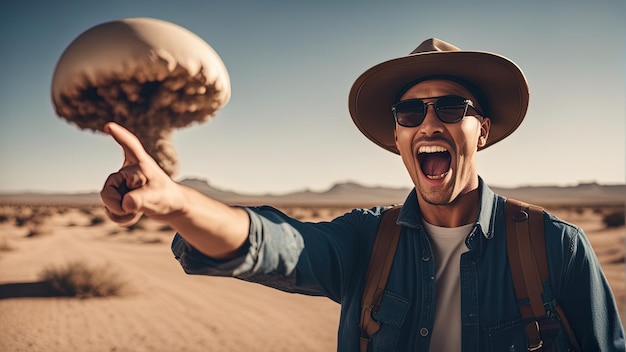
(292, 63)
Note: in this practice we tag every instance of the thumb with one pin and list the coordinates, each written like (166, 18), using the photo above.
(133, 201)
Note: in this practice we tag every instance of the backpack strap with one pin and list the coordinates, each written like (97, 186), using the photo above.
(526, 250)
(383, 252)
(527, 258)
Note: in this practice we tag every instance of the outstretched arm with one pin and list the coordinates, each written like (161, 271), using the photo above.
(141, 187)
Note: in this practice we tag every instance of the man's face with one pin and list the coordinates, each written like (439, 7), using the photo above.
(441, 157)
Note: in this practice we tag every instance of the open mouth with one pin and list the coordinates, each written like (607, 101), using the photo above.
(434, 161)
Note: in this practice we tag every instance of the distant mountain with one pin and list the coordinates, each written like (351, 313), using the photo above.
(50, 198)
(341, 194)
(582, 194)
(354, 195)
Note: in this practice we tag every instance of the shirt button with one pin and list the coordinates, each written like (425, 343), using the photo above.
(425, 257)
(424, 332)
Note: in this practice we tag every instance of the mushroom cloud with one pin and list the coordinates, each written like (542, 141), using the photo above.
(148, 75)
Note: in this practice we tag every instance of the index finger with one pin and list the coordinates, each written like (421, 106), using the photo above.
(133, 149)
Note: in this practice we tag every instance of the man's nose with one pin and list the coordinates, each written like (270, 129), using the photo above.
(431, 123)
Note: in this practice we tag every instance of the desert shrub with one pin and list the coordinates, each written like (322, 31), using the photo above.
(96, 220)
(151, 240)
(36, 219)
(85, 210)
(139, 225)
(614, 219)
(166, 228)
(21, 220)
(33, 219)
(44, 212)
(79, 279)
(38, 231)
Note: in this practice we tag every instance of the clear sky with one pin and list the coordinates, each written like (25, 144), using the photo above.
(292, 64)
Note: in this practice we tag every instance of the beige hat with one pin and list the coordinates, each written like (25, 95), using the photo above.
(500, 81)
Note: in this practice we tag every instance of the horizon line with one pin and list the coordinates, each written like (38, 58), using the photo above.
(307, 189)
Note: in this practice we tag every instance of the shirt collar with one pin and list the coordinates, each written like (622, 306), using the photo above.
(410, 214)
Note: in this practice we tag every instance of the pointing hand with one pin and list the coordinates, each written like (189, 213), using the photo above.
(140, 186)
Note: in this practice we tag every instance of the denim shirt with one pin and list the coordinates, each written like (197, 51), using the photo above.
(331, 258)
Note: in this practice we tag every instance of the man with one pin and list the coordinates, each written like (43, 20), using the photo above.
(450, 288)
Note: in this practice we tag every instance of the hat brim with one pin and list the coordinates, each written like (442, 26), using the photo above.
(500, 80)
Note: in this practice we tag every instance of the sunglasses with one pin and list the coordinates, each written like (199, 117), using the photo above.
(449, 109)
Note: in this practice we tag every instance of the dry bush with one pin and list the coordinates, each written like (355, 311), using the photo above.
(96, 220)
(614, 219)
(86, 210)
(139, 225)
(33, 219)
(38, 230)
(166, 228)
(21, 220)
(151, 240)
(79, 279)
(44, 211)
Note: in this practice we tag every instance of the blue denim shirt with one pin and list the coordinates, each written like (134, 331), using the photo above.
(330, 259)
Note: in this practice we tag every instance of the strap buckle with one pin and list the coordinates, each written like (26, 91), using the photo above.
(536, 343)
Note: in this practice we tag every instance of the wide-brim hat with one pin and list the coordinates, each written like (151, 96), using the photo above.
(500, 81)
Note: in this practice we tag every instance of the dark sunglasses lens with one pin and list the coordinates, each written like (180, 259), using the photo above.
(451, 109)
(410, 113)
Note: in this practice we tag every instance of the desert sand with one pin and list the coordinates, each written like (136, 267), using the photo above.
(163, 309)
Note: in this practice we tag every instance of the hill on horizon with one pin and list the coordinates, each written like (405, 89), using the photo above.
(352, 194)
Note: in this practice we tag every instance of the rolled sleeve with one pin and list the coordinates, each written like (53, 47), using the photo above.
(244, 265)
(195, 262)
(284, 253)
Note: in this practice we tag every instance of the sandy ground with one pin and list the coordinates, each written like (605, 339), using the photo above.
(164, 309)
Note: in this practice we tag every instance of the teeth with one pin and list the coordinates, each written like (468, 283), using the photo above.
(437, 177)
(432, 149)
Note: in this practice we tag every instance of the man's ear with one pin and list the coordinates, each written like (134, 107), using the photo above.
(485, 124)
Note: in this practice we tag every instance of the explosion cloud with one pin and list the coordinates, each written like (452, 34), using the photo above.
(148, 75)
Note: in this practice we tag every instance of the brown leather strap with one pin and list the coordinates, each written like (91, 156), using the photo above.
(570, 334)
(538, 241)
(526, 277)
(539, 247)
(525, 267)
(381, 259)
(526, 249)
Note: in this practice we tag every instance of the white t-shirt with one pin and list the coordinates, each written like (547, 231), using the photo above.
(448, 244)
